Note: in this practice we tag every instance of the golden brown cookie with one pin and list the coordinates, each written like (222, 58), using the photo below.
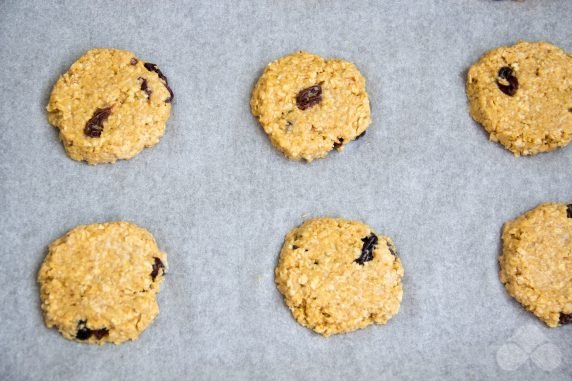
(536, 262)
(99, 282)
(109, 106)
(337, 275)
(522, 95)
(309, 105)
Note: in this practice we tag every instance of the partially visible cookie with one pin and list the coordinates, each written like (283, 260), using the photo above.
(99, 282)
(309, 105)
(109, 106)
(522, 95)
(338, 276)
(536, 262)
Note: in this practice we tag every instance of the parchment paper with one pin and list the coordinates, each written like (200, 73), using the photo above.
(219, 198)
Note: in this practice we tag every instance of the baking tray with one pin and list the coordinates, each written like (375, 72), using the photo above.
(219, 198)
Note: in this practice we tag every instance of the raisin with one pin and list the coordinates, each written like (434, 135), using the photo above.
(83, 333)
(565, 318)
(100, 333)
(145, 87)
(152, 67)
(158, 265)
(360, 135)
(369, 243)
(294, 247)
(133, 61)
(569, 210)
(94, 126)
(392, 249)
(339, 143)
(309, 97)
(507, 75)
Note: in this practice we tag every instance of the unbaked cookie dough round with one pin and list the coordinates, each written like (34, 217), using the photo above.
(309, 105)
(522, 95)
(338, 275)
(109, 106)
(99, 282)
(536, 262)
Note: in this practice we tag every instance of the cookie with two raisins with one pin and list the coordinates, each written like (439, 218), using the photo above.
(309, 105)
(522, 96)
(99, 282)
(536, 262)
(109, 106)
(338, 275)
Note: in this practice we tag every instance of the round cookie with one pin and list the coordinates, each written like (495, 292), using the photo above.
(536, 262)
(309, 105)
(522, 95)
(338, 276)
(109, 105)
(99, 282)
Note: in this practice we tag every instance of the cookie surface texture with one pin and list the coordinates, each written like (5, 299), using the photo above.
(522, 96)
(99, 282)
(309, 105)
(536, 262)
(109, 105)
(338, 276)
